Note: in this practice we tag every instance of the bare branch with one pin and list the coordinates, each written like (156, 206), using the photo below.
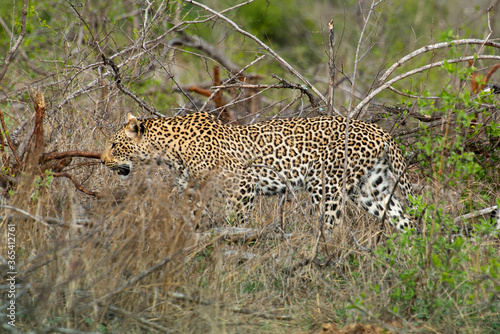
(76, 184)
(412, 72)
(304, 90)
(428, 48)
(71, 154)
(27, 214)
(118, 81)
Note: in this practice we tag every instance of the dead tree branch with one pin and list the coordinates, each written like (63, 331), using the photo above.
(34, 159)
(433, 47)
(70, 154)
(34, 155)
(389, 83)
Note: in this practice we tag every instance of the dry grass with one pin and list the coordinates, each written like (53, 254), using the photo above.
(136, 264)
(135, 260)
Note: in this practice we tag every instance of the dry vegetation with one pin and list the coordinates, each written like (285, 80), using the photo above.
(97, 254)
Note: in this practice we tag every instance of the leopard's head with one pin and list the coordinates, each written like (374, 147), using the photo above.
(124, 147)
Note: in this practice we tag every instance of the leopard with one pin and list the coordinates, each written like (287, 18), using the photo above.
(272, 157)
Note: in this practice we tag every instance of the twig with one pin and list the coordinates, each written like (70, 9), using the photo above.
(247, 86)
(304, 90)
(23, 54)
(53, 221)
(239, 101)
(77, 185)
(200, 44)
(230, 79)
(18, 42)
(413, 96)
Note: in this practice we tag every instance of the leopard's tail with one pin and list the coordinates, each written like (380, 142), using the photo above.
(398, 166)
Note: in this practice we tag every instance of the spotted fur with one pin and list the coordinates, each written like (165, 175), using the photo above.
(267, 157)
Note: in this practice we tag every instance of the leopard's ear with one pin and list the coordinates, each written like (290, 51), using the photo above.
(134, 128)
